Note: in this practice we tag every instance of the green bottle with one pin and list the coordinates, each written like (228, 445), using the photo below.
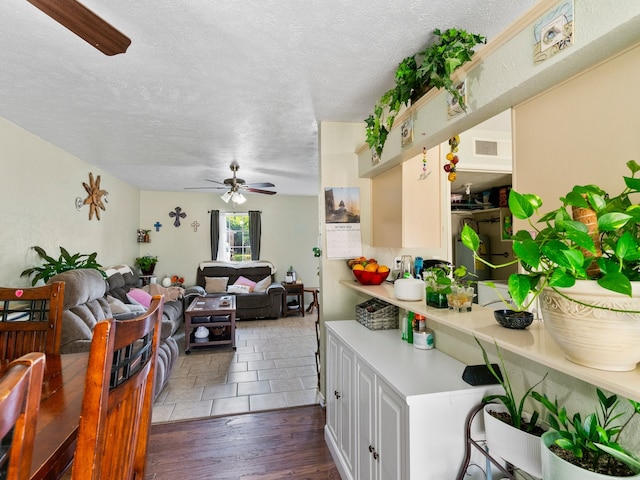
(410, 327)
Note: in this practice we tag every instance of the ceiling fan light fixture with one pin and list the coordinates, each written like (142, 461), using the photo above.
(226, 197)
(238, 198)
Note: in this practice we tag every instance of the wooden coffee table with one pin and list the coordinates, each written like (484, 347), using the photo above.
(211, 312)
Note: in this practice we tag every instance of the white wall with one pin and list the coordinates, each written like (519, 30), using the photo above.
(39, 185)
(289, 231)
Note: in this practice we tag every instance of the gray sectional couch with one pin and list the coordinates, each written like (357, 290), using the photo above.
(89, 299)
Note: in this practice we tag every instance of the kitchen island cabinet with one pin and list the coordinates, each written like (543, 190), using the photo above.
(409, 406)
(341, 402)
(406, 205)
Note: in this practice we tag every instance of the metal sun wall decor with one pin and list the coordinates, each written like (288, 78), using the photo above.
(94, 196)
(177, 214)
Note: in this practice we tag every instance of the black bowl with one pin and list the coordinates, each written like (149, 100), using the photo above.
(513, 319)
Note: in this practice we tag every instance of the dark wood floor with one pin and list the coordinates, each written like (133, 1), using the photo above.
(267, 445)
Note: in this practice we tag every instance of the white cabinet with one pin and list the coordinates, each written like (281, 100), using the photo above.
(379, 438)
(341, 402)
(408, 407)
(406, 206)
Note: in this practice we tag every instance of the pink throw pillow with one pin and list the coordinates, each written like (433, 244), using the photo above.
(245, 281)
(140, 297)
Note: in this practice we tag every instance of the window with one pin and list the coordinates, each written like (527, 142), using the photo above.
(238, 246)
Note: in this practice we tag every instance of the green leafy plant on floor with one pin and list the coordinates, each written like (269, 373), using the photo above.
(592, 442)
(415, 75)
(64, 262)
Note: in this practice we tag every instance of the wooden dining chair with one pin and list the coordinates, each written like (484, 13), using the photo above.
(20, 390)
(116, 409)
(31, 320)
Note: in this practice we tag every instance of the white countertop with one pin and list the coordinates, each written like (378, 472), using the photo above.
(408, 370)
(534, 343)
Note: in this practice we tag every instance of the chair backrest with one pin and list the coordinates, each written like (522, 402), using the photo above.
(116, 409)
(20, 390)
(31, 320)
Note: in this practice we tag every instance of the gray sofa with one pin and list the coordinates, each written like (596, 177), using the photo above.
(253, 305)
(87, 302)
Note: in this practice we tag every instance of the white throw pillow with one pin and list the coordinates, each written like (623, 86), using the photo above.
(238, 289)
(262, 285)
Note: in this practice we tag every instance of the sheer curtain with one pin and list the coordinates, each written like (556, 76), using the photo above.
(255, 232)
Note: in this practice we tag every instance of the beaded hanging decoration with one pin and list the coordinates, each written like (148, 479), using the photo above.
(424, 160)
(453, 159)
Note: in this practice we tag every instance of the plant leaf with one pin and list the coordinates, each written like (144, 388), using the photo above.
(522, 206)
(610, 222)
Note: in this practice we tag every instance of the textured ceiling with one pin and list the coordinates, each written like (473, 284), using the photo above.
(207, 82)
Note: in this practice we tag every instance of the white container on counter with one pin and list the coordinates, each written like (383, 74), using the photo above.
(409, 289)
(423, 340)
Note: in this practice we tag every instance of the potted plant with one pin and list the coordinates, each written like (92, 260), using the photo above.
(64, 262)
(574, 448)
(511, 434)
(432, 68)
(584, 265)
(147, 264)
(442, 280)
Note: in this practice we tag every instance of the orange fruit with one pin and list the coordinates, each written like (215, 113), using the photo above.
(371, 267)
(383, 269)
(358, 266)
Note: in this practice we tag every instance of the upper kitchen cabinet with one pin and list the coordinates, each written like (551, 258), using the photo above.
(407, 204)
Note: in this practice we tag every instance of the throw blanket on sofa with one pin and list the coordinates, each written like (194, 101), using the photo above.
(251, 263)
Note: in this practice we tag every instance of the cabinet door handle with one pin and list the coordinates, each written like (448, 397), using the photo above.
(375, 455)
(336, 393)
(371, 449)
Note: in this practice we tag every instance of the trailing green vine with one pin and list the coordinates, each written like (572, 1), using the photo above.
(415, 77)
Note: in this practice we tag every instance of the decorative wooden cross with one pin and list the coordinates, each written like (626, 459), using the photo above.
(195, 225)
(157, 225)
(178, 214)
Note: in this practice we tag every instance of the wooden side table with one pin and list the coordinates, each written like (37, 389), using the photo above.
(314, 291)
(293, 290)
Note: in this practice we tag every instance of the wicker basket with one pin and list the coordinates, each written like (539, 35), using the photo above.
(377, 315)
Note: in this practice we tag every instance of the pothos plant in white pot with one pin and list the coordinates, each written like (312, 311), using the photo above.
(584, 265)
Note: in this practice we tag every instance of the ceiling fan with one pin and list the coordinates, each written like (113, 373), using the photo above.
(86, 24)
(235, 186)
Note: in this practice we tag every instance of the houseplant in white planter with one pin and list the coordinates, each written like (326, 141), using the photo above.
(592, 241)
(589, 449)
(511, 434)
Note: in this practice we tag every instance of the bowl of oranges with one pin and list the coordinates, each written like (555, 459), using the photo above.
(367, 271)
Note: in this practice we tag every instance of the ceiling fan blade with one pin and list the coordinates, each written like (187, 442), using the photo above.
(257, 190)
(206, 188)
(213, 181)
(260, 185)
(86, 24)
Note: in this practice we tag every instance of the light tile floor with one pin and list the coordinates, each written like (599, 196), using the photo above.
(273, 367)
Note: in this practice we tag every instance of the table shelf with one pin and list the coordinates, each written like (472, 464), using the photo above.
(210, 312)
(534, 343)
